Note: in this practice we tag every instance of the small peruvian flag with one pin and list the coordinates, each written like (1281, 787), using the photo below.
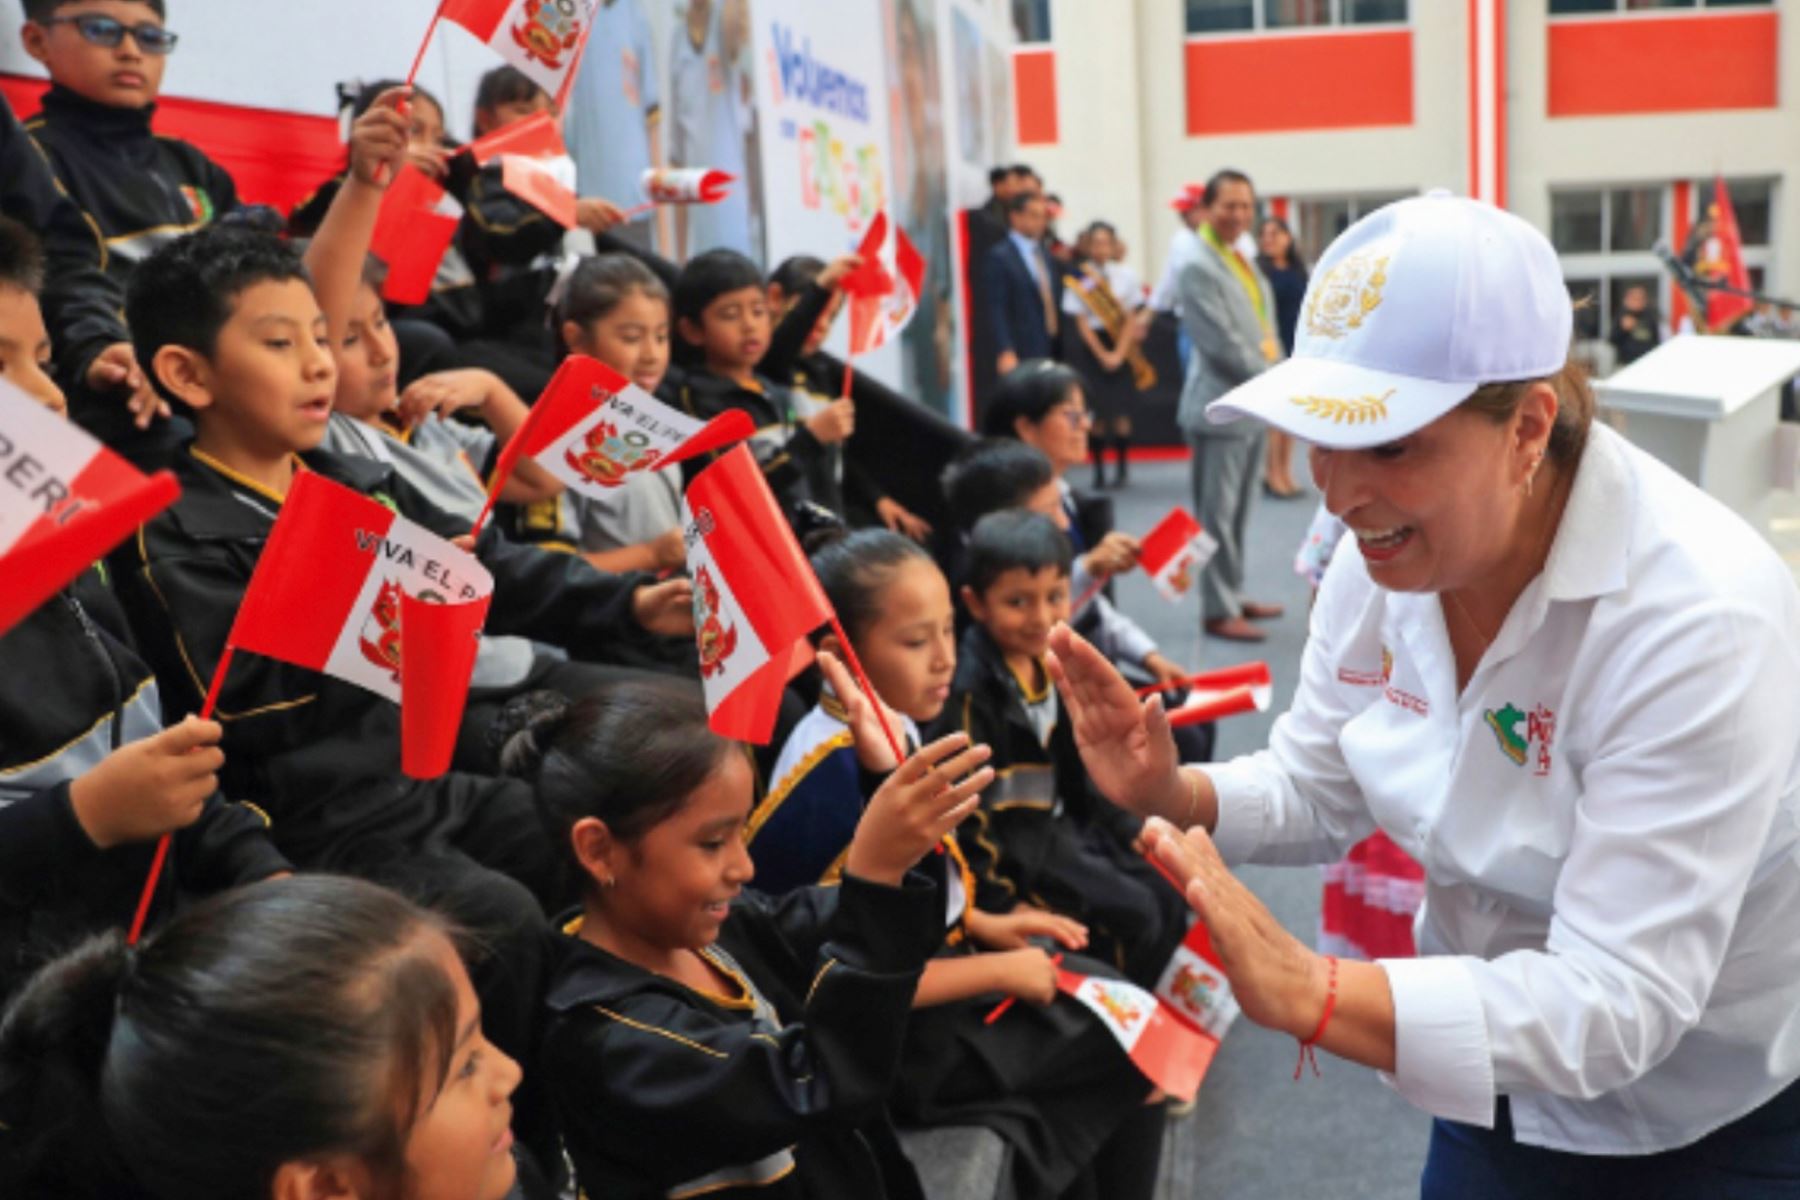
(686, 185)
(65, 500)
(331, 592)
(534, 165)
(413, 232)
(1172, 1054)
(1174, 550)
(543, 38)
(594, 429)
(884, 291)
(755, 596)
(1194, 986)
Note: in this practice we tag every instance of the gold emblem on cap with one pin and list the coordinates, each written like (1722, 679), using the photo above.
(1363, 410)
(1343, 300)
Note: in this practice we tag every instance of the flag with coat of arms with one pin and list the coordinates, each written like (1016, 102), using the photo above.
(543, 38)
(884, 291)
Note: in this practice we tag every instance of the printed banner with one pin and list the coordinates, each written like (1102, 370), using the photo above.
(65, 500)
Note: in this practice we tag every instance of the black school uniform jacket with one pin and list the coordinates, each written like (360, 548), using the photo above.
(82, 305)
(664, 1091)
(785, 449)
(72, 690)
(324, 753)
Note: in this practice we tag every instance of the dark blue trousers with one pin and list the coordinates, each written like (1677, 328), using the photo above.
(1756, 1157)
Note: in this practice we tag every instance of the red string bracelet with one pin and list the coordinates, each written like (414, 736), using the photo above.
(1306, 1047)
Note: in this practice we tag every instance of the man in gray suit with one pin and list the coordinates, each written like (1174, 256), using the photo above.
(1228, 313)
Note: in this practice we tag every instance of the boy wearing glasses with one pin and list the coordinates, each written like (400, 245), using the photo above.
(106, 59)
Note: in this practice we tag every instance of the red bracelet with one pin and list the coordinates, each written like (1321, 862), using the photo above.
(1306, 1047)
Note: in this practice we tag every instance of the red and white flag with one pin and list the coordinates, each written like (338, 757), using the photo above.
(1174, 550)
(535, 137)
(543, 38)
(413, 231)
(594, 429)
(1172, 1054)
(884, 291)
(330, 591)
(1721, 260)
(1227, 692)
(686, 185)
(534, 165)
(755, 596)
(65, 500)
(1194, 986)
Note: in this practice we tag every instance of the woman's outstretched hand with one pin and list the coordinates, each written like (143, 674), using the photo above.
(1279, 983)
(1125, 743)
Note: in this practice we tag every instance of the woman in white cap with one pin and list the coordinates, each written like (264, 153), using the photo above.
(1565, 681)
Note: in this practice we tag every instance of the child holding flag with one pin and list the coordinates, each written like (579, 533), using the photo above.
(1049, 1078)
(1042, 836)
(89, 778)
(706, 1038)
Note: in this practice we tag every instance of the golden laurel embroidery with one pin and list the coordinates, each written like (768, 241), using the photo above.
(1343, 300)
(1364, 410)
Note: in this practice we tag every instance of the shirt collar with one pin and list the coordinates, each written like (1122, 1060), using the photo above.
(1591, 554)
(1026, 245)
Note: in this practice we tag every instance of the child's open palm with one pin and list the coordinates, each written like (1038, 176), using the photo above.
(919, 804)
(866, 717)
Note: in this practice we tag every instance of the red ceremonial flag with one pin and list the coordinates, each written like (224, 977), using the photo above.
(1172, 1054)
(418, 219)
(65, 500)
(1227, 692)
(755, 595)
(543, 38)
(539, 183)
(686, 185)
(1721, 260)
(884, 291)
(534, 137)
(434, 687)
(1174, 550)
(594, 429)
(328, 594)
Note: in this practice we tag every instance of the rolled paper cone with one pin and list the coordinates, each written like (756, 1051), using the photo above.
(1250, 674)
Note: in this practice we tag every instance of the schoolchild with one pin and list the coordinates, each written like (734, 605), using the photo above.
(1049, 1079)
(302, 1038)
(1042, 836)
(705, 1038)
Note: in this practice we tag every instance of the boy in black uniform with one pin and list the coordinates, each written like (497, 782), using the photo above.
(231, 330)
(1042, 836)
(722, 314)
(89, 778)
(106, 59)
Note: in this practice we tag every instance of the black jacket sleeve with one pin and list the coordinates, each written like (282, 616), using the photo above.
(675, 1092)
(229, 845)
(41, 843)
(789, 338)
(82, 305)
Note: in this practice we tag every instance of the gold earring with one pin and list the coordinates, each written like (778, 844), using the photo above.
(1537, 460)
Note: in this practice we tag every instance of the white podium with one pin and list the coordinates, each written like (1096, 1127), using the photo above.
(1710, 408)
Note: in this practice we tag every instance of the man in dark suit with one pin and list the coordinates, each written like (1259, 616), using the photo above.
(1021, 289)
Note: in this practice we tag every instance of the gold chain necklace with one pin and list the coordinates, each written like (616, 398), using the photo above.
(1543, 546)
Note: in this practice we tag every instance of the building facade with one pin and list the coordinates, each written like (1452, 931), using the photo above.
(1603, 122)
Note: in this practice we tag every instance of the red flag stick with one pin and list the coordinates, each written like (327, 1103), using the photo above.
(1000, 1008)
(1088, 593)
(162, 845)
(863, 682)
(419, 58)
(849, 373)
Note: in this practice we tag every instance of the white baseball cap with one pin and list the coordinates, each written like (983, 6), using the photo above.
(1407, 313)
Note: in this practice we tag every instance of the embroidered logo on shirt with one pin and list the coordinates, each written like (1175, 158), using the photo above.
(1394, 695)
(1539, 734)
(198, 202)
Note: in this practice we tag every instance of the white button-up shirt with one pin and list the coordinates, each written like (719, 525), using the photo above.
(1608, 817)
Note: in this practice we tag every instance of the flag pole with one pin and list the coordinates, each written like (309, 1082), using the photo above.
(849, 373)
(419, 58)
(162, 844)
(862, 681)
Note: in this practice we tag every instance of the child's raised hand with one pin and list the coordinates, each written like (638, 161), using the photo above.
(925, 799)
(151, 787)
(443, 393)
(598, 216)
(834, 423)
(665, 608)
(1115, 554)
(865, 718)
(834, 272)
(1014, 930)
(379, 140)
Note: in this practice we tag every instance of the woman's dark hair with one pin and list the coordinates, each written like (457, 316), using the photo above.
(797, 273)
(993, 474)
(1030, 390)
(1574, 408)
(629, 754)
(708, 276)
(287, 1021)
(599, 284)
(1011, 540)
(854, 568)
(505, 85)
(1296, 260)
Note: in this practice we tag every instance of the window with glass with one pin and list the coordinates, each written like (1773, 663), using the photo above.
(1564, 8)
(1318, 220)
(1031, 20)
(1249, 16)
